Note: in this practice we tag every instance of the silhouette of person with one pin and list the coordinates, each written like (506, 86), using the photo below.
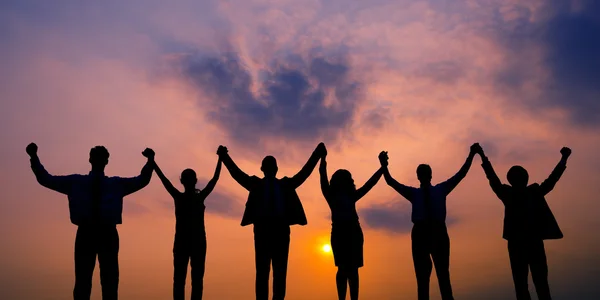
(346, 234)
(95, 206)
(528, 221)
(429, 235)
(190, 234)
(273, 206)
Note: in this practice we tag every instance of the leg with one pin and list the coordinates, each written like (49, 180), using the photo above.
(85, 261)
(180, 265)
(108, 258)
(280, 263)
(353, 282)
(422, 262)
(517, 252)
(539, 270)
(441, 258)
(198, 267)
(341, 280)
(262, 259)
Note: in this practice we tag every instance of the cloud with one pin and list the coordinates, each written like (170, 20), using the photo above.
(393, 217)
(292, 97)
(566, 35)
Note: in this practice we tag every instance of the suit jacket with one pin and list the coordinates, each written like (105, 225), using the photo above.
(293, 211)
(526, 212)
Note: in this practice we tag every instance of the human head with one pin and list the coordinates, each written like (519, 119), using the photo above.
(269, 166)
(424, 173)
(341, 181)
(99, 157)
(188, 178)
(517, 176)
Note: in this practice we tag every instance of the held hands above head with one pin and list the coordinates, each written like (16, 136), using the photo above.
(32, 150)
(383, 159)
(321, 150)
(476, 149)
(149, 153)
(566, 152)
(222, 150)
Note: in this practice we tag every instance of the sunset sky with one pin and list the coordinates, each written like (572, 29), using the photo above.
(421, 79)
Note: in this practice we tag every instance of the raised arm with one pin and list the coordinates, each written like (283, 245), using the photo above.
(301, 176)
(551, 181)
(173, 191)
(133, 184)
(210, 186)
(495, 183)
(403, 190)
(238, 175)
(362, 191)
(324, 178)
(453, 181)
(61, 184)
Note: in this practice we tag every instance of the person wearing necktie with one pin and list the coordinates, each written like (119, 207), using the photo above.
(272, 207)
(95, 206)
(430, 240)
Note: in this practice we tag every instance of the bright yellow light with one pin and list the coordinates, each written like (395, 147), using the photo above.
(326, 248)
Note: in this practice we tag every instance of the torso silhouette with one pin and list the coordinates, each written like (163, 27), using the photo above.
(189, 214)
(273, 199)
(343, 209)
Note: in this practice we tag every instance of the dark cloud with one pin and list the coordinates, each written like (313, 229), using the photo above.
(293, 100)
(393, 217)
(570, 42)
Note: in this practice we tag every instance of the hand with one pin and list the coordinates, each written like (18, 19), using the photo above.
(222, 150)
(32, 149)
(383, 158)
(476, 149)
(321, 150)
(148, 153)
(566, 152)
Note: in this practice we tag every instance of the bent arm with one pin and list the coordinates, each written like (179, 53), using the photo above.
(134, 184)
(210, 186)
(403, 190)
(303, 174)
(238, 175)
(61, 184)
(362, 191)
(173, 191)
(453, 181)
(551, 181)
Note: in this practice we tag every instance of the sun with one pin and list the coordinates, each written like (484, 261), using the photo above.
(326, 248)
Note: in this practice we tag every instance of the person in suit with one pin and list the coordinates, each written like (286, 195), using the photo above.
(189, 245)
(96, 207)
(346, 234)
(272, 207)
(429, 235)
(528, 221)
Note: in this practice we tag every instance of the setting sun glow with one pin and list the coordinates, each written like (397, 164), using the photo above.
(326, 248)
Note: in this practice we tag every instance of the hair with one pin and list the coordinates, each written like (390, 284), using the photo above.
(341, 181)
(99, 154)
(517, 176)
(188, 173)
(423, 170)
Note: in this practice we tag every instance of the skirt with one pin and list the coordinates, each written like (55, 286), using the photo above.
(347, 242)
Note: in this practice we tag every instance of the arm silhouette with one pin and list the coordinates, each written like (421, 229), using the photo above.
(495, 183)
(403, 190)
(61, 184)
(238, 175)
(551, 181)
(212, 182)
(453, 181)
(324, 179)
(301, 176)
(362, 191)
(134, 184)
(173, 191)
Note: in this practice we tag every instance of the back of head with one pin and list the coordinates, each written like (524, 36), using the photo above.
(342, 182)
(99, 157)
(269, 166)
(424, 173)
(188, 178)
(517, 176)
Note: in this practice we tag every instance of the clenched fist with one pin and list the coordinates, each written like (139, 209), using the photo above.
(148, 153)
(32, 149)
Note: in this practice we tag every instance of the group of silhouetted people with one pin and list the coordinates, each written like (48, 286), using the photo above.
(96, 204)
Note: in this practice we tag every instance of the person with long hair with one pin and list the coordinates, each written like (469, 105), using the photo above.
(190, 234)
(347, 237)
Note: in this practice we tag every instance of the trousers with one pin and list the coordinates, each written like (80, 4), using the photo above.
(431, 241)
(271, 246)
